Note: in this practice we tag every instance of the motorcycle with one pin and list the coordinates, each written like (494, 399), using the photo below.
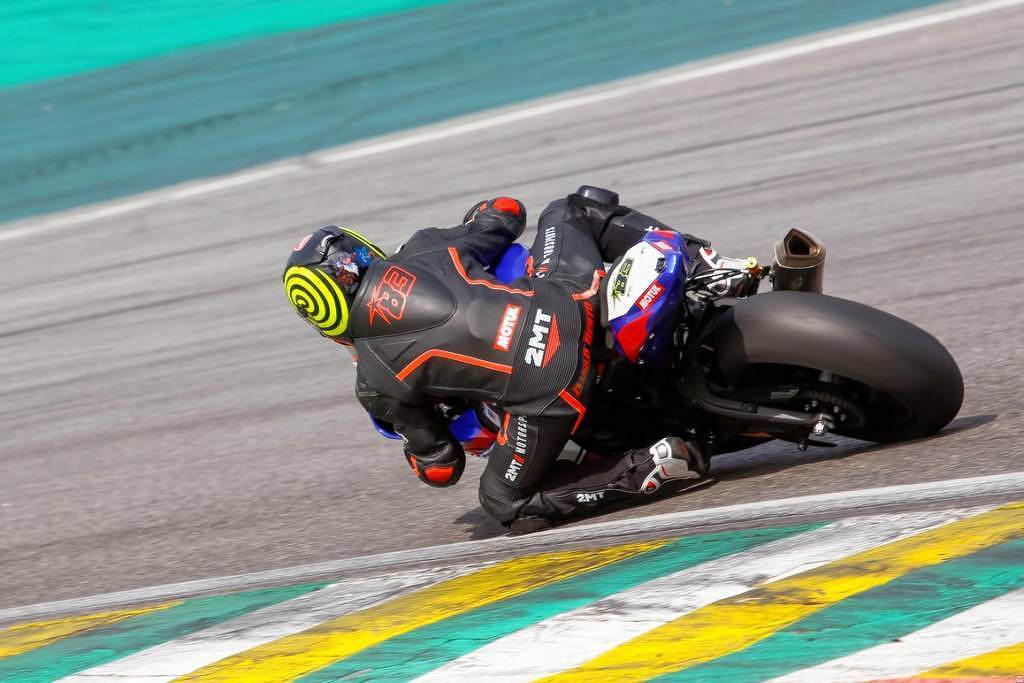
(687, 357)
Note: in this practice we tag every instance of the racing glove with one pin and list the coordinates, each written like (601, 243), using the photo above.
(440, 468)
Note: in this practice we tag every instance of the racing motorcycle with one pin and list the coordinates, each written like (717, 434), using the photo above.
(732, 368)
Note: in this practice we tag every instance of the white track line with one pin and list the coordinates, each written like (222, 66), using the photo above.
(441, 132)
(779, 511)
(227, 182)
(175, 658)
(690, 74)
(987, 627)
(570, 639)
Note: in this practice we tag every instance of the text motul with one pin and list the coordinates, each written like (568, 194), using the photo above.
(507, 327)
(650, 296)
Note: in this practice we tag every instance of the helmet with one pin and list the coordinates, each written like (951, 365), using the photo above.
(323, 274)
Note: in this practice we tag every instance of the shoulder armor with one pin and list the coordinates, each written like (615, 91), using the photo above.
(399, 299)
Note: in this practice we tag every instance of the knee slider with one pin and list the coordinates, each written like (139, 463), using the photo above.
(499, 500)
(441, 468)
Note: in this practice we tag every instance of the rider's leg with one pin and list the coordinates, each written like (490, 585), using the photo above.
(565, 249)
(579, 490)
(522, 478)
(525, 479)
(610, 227)
(523, 455)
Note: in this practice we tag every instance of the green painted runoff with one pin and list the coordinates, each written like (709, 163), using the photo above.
(65, 37)
(214, 110)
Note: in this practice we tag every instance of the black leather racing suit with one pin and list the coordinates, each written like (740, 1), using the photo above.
(430, 323)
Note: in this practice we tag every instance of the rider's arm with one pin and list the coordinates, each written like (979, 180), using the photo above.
(487, 230)
(616, 228)
(435, 457)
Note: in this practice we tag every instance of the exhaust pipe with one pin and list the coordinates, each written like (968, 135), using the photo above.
(799, 262)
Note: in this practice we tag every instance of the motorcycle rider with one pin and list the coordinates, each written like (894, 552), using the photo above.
(431, 323)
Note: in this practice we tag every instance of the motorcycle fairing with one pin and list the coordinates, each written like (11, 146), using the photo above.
(641, 295)
(511, 265)
(477, 438)
(385, 429)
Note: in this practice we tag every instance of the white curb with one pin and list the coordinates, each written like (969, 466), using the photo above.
(778, 511)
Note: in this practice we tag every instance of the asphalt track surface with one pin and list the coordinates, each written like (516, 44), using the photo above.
(164, 417)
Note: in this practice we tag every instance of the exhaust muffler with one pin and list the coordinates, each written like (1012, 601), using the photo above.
(799, 262)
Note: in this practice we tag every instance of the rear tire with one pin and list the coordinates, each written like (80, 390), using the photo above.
(912, 386)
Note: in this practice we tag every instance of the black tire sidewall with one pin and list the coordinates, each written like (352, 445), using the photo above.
(850, 339)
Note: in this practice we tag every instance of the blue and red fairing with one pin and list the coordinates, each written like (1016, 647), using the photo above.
(645, 330)
(467, 428)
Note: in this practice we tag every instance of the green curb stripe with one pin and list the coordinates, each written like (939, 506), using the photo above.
(66, 37)
(872, 618)
(410, 655)
(109, 643)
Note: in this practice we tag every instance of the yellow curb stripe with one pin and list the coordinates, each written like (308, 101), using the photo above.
(21, 638)
(315, 648)
(1007, 661)
(736, 623)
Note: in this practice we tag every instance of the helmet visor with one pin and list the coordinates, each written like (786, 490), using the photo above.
(346, 262)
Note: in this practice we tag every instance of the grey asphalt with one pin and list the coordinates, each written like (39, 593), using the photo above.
(165, 417)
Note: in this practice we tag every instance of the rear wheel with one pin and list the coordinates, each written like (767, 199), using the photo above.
(891, 379)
